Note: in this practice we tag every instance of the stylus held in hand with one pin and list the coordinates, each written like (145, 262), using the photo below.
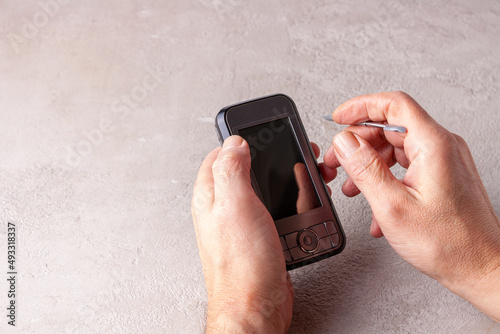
(385, 127)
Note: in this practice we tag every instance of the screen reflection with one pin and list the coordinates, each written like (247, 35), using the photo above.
(278, 166)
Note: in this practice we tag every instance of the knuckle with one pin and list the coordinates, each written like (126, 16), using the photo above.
(197, 185)
(368, 166)
(400, 97)
(461, 142)
(195, 209)
(396, 101)
(199, 201)
(442, 141)
(229, 165)
(400, 101)
(446, 139)
(453, 146)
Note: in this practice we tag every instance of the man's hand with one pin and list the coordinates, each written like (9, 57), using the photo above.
(249, 289)
(439, 217)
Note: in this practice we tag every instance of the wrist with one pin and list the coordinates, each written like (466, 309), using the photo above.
(247, 313)
(479, 280)
(241, 319)
(483, 293)
(237, 322)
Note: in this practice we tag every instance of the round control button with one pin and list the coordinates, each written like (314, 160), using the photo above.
(308, 240)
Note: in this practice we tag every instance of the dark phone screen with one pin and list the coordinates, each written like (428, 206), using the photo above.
(279, 168)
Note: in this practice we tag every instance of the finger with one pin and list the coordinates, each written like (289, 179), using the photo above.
(401, 157)
(375, 230)
(349, 188)
(203, 190)
(316, 149)
(374, 136)
(385, 149)
(369, 172)
(307, 197)
(377, 136)
(205, 182)
(231, 169)
(330, 158)
(396, 108)
(327, 173)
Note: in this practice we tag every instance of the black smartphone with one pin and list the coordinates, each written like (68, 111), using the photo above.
(285, 176)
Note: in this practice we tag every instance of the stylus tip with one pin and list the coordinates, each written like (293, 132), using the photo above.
(328, 118)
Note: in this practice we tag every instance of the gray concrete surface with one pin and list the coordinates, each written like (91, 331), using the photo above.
(107, 111)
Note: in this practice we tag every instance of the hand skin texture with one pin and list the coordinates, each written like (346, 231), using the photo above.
(438, 218)
(249, 289)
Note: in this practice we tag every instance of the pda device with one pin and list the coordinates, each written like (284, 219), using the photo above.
(286, 177)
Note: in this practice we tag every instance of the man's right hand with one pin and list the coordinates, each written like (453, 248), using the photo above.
(439, 217)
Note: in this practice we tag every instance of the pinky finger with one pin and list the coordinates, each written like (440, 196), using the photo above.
(375, 230)
(327, 173)
(349, 188)
(316, 149)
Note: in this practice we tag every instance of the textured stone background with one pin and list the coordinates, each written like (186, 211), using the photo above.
(105, 238)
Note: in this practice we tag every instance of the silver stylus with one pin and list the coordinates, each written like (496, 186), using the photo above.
(385, 127)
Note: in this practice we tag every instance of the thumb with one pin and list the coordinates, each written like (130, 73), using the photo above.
(231, 169)
(369, 172)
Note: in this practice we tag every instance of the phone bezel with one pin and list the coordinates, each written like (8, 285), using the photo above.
(266, 109)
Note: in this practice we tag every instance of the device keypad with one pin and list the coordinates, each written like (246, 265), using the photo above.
(326, 238)
(330, 227)
(298, 254)
(283, 244)
(324, 244)
(335, 239)
(320, 230)
(291, 240)
(308, 240)
(288, 257)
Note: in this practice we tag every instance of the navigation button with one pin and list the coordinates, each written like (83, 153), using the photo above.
(308, 240)
(283, 244)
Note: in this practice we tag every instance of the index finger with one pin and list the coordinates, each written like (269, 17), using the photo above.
(203, 192)
(396, 108)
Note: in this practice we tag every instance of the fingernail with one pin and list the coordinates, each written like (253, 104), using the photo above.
(345, 144)
(232, 142)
